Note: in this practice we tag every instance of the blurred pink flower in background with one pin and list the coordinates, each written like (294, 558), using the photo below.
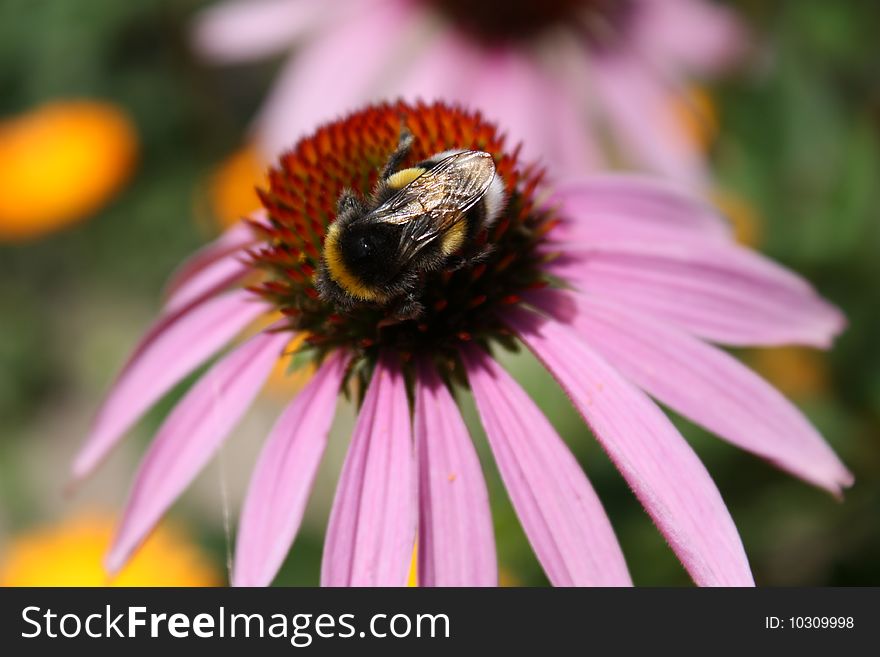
(617, 284)
(556, 74)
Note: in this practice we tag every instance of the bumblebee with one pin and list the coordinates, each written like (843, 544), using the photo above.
(417, 220)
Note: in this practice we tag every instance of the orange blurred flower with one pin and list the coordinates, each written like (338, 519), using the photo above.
(745, 219)
(70, 554)
(697, 116)
(231, 190)
(60, 163)
(283, 382)
(798, 372)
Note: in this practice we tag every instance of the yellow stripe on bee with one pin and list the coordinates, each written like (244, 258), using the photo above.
(454, 237)
(403, 178)
(340, 272)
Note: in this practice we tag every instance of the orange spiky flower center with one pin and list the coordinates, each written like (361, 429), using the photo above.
(459, 305)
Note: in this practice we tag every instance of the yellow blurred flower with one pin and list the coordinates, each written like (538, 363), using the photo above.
(797, 372)
(413, 579)
(71, 553)
(697, 116)
(232, 185)
(746, 222)
(60, 163)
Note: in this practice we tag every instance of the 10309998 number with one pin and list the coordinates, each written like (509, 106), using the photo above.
(821, 622)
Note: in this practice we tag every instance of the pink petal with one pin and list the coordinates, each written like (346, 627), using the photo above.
(638, 103)
(573, 143)
(624, 204)
(717, 291)
(236, 30)
(503, 90)
(175, 345)
(535, 110)
(434, 72)
(701, 36)
(702, 383)
(199, 274)
(662, 469)
(509, 89)
(212, 279)
(191, 434)
(283, 478)
(456, 544)
(559, 511)
(339, 69)
(372, 526)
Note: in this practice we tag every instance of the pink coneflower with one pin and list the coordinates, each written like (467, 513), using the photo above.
(556, 74)
(617, 285)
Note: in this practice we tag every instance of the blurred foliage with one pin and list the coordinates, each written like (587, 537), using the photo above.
(799, 139)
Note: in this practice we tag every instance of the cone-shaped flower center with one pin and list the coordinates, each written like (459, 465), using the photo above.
(512, 20)
(459, 299)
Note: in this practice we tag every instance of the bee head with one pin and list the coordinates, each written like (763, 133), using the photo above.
(368, 251)
(359, 258)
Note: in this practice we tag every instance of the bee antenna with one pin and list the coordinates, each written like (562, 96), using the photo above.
(404, 144)
(406, 136)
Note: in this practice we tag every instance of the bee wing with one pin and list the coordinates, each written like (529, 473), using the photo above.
(438, 199)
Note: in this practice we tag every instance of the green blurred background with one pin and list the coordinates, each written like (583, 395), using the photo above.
(797, 147)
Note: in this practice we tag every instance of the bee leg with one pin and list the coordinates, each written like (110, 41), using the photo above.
(408, 307)
(456, 262)
(398, 156)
